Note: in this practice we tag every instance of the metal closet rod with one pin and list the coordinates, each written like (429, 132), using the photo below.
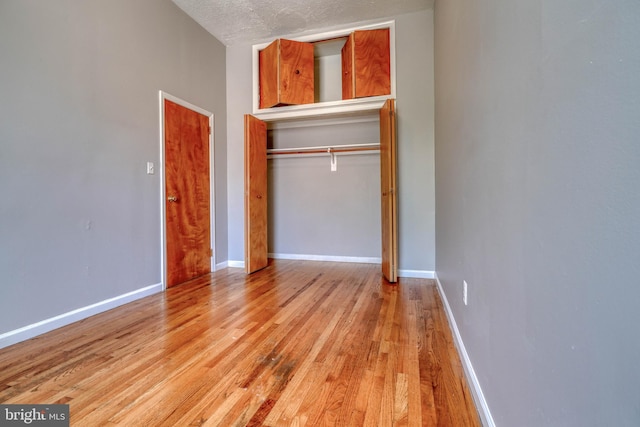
(327, 149)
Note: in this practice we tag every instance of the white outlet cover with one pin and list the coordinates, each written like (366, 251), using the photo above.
(464, 292)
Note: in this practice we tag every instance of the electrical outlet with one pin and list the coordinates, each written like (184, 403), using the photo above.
(150, 168)
(464, 292)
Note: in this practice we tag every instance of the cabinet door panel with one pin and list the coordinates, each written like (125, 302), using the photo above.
(286, 73)
(296, 72)
(268, 63)
(389, 190)
(255, 196)
(366, 64)
(347, 69)
(372, 63)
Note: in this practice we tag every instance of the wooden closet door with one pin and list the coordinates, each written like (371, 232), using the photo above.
(388, 187)
(255, 194)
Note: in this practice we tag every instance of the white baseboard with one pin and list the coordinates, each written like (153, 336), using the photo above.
(221, 265)
(235, 264)
(474, 384)
(38, 328)
(363, 260)
(418, 274)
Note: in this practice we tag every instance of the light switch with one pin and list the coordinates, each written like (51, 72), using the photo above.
(150, 168)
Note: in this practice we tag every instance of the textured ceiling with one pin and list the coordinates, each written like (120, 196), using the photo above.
(247, 21)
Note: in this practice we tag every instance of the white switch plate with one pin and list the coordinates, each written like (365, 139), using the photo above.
(150, 168)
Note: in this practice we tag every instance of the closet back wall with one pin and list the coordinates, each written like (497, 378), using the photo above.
(316, 212)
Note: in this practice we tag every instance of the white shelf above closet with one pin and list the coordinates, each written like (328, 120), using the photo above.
(328, 103)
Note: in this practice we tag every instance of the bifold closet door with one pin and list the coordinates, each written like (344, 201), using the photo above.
(388, 187)
(255, 153)
(255, 194)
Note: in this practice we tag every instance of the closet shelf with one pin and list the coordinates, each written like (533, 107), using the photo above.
(345, 109)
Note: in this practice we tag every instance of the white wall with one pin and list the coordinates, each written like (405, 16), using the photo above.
(537, 178)
(414, 55)
(80, 218)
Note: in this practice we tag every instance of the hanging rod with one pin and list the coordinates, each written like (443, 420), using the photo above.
(324, 149)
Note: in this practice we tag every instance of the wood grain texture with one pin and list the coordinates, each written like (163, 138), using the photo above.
(255, 199)
(388, 184)
(296, 344)
(296, 72)
(372, 63)
(286, 74)
(268, 75)
(187, 179)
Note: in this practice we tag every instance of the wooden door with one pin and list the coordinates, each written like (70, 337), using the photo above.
(388, 187)
(255, 194)
(188, 235)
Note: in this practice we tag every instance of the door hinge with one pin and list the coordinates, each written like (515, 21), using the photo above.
(209, 130)
(210, 253)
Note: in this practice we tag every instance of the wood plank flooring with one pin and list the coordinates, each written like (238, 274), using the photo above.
(296, 344)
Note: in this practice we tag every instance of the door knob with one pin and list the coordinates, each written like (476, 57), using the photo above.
(172, 199)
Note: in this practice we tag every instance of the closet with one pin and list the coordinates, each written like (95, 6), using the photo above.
(287, 87)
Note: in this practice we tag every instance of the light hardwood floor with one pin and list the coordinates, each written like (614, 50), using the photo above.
(296, 344)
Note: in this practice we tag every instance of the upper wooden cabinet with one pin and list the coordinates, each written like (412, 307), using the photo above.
(366, 64)
(286, 73)
(304, 77)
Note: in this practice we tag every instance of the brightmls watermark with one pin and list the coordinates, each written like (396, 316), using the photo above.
(34, 415)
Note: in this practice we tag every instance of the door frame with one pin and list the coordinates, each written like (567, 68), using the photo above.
(163, 213)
